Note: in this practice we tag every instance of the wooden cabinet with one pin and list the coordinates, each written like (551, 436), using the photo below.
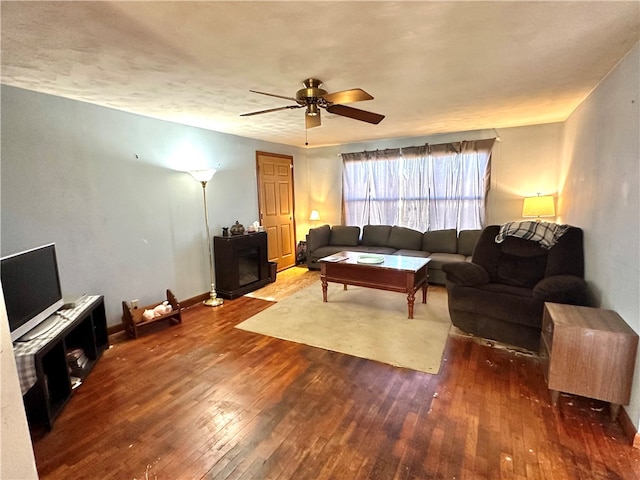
(47, 373)
(588, 352)
(241, 264)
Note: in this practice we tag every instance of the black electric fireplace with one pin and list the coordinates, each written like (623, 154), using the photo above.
(241, 264)
(248, 266)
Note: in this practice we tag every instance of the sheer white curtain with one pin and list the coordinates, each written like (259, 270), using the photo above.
(431, 187)
(371, 187)
(412, 205)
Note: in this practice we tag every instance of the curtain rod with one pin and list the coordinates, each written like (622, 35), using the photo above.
(496, 138)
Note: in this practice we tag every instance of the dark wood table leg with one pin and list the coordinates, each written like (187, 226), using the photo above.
(411, 298)
(424, 292)
(323, 280)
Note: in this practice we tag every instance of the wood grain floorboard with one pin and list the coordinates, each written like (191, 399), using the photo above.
(204, 400)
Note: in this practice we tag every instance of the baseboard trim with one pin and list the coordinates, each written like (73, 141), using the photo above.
(629, 428)
(187, 303)
(190, 302)
(113, 329)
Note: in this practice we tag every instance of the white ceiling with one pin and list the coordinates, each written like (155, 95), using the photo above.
(433, 67)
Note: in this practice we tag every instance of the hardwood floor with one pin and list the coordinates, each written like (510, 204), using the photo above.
(204, 400)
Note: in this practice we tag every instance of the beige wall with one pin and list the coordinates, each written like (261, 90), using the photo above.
(524, 162)
(599, 183)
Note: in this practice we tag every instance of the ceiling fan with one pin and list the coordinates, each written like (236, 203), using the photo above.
(312, 97)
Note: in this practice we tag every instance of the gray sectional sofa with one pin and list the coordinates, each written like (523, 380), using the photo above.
(441, 246)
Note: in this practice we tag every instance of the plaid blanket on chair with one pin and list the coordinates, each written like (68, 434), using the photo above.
(546, 234)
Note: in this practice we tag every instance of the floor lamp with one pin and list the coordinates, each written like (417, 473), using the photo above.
(203, 176)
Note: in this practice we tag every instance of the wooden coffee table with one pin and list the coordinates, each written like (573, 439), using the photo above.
(395, 273)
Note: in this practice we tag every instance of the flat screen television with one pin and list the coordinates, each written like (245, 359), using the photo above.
(31, 286)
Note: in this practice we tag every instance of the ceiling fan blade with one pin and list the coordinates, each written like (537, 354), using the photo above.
(312, 121)
(274, 95)
(270, 110)
(355, 113)
(347, 96)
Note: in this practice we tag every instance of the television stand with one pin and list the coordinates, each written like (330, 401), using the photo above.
(43, 363)
(40, 329)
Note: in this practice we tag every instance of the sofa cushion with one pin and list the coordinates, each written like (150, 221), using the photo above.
(467, 240)
(378, 250)
(521, 271)
(442, 241)
(412, 253)
(510, 304)
(333, 249)
(376, 235)
(520, 247)
(515, 261)
(318, 237)
(344, 235)
(439, 259)
(325, 251)
(405, 238)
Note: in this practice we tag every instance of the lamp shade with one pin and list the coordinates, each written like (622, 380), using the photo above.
(540, 206)
(315, 216)
(203, 175)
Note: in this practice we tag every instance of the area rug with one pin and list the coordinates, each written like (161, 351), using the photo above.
(362, 322)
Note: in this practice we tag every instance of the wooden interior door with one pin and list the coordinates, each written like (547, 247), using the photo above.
(275, 202)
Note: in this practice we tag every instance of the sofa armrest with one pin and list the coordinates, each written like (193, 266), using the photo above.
(465, 274)
(568, 289)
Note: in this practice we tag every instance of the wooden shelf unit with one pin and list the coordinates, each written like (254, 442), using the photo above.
(52, 389)
(134, 322)
(588, 352)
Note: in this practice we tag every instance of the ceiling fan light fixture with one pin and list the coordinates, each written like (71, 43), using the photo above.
(312, 98)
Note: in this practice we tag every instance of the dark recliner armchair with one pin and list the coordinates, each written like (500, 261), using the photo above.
(500, 294)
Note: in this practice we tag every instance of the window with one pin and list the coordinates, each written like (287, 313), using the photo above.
(431, 187)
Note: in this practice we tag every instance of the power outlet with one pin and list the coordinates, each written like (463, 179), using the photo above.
(134, 304)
